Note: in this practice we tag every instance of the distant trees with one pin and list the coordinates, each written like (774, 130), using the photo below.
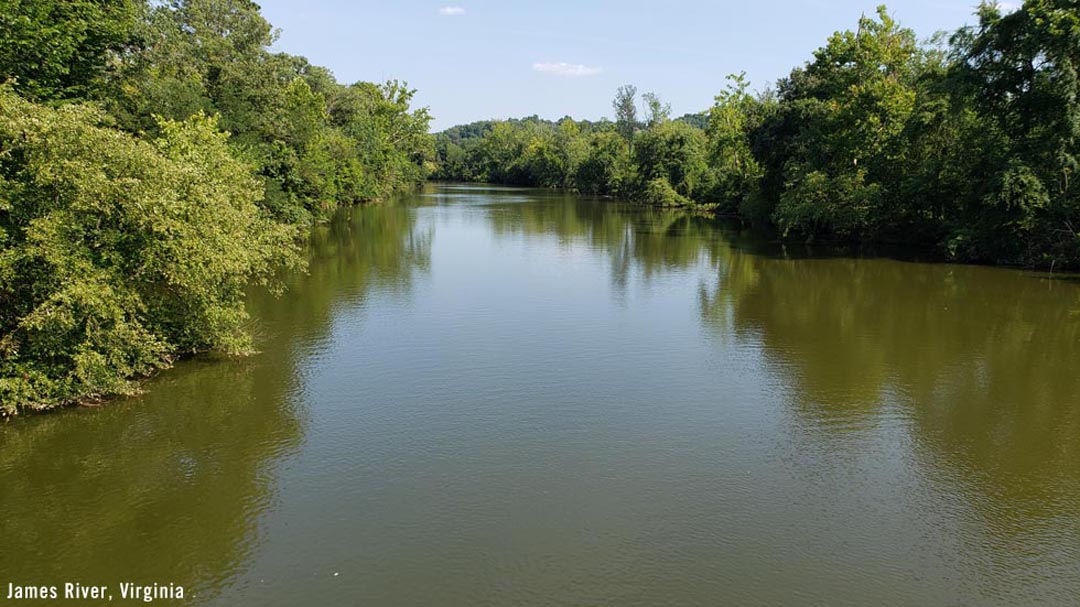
(968, 145)
(625, 106)
(656, 111)
(673, 153)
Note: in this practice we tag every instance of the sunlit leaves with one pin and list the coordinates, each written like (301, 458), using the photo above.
(121, 252)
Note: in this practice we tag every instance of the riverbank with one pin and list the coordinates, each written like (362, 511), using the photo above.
(877, 138)
(36, 394)
(155, 165)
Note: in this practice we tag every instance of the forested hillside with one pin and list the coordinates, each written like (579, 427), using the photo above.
(967, 143)
(156, 158)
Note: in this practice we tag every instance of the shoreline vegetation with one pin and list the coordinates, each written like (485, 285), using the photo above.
(157, 158)
(966, 144)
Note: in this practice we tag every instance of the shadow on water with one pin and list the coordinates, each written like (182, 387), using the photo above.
(973, 368)
(983, 359)
(169, 486)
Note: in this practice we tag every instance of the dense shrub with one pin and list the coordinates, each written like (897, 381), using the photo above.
(156, 158)
(119, 253)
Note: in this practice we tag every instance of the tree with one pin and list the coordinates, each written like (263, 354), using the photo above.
(967, 144)
(625, 106)
(59, 49)
(572, 148)
(606, 167)
(736, 170)
(129, 232)
(855, 99)
(134, 251)
(1020, 73)
(675, 153)
(656, 111)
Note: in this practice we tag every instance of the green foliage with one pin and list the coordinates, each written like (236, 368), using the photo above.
(860, 92)
(129, 232)
(658, 192)
(318, 144)
(625, 106)
(606, 166)
(1019, 74)
(60, 49)
(656, 111)
(119, 253)
(674, 152)
(591, 157)
(735, 170)
(966, 145)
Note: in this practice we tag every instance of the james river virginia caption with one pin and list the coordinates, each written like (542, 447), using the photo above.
(129, 591)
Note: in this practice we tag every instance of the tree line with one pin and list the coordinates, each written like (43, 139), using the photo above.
(966, 143)
(156, 159)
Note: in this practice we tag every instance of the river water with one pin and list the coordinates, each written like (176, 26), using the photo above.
(490, 396)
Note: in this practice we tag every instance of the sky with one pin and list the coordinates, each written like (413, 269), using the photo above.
(481, 59)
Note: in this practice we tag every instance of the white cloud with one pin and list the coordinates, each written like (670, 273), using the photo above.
(451, 10)
(572, 70)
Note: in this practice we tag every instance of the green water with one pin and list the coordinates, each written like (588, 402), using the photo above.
(486, 396)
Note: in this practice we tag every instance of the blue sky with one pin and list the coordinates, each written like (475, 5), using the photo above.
(479, 59)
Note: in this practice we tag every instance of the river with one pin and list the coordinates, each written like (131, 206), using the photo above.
(493, 396)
